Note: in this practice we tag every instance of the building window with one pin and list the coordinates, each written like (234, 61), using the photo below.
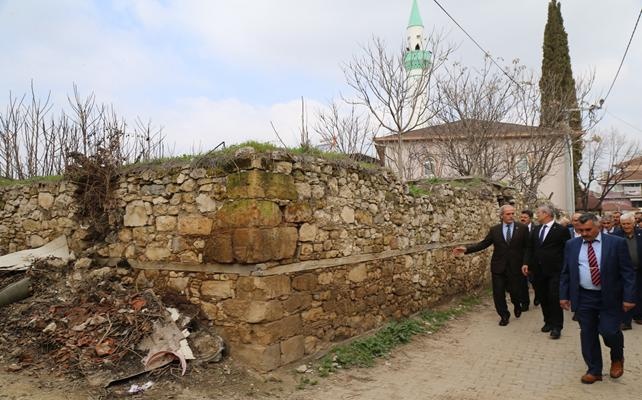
(521, 166)
(429, 168)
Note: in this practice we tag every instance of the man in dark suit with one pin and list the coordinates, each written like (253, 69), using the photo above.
(509, 240)
(598, 283)
(545, 255)
(633, 237)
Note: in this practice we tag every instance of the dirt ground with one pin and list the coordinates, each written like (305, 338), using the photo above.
(471, 358)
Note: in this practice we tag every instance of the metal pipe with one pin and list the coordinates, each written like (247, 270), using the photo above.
(15, 292)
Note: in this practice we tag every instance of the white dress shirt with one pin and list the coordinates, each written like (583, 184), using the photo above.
(583, 262)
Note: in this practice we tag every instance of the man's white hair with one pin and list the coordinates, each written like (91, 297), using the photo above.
(629, 216)
(503, 208)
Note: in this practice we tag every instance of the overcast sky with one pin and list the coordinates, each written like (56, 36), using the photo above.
(221, 70)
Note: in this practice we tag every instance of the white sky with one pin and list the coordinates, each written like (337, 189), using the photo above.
(212, 71)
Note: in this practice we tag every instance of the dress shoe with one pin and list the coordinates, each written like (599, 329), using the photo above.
(504, 321)
(536, 302)
(555, 333)
(638, 321)
(518, 312)
(589, 378)
(626, 327)
(546, 328)
(617, 368)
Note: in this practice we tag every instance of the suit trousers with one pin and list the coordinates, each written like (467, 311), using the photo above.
(505, 282)
(595, 321)
(548, 288)
(524, 296)
(636, 312)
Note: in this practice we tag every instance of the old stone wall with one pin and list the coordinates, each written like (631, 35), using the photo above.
(32, 215)
(284, 254)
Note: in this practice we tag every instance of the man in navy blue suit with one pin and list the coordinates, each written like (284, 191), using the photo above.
(598, 283)
(633, 237)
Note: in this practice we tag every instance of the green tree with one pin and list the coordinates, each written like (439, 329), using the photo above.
(557, 86)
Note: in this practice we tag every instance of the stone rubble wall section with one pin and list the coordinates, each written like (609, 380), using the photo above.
(32, 215)
(271, 210)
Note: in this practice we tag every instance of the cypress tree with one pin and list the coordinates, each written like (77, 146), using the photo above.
(557, 86)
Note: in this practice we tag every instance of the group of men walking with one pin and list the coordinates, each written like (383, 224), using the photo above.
(579, 267)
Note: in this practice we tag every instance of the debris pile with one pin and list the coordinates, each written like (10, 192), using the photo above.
(84, 322)
(77, 328)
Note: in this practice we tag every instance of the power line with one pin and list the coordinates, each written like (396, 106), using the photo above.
(487, 54)
(623, 121)
(624, 56)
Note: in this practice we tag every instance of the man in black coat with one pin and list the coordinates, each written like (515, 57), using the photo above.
(509, 240)
(544, 260)
(633, 237)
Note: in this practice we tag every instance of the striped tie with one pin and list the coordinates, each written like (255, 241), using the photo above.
(593, 267)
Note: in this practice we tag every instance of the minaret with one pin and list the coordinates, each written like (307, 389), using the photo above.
(416, 58)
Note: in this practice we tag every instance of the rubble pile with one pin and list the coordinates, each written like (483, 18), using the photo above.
(80, 321)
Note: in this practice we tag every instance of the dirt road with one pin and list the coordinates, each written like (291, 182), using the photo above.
(474, 358)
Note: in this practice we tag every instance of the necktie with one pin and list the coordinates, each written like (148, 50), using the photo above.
(541, 234)
(593, 267)
(508, 234)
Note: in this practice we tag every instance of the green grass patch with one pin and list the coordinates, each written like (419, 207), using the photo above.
(364, 352)
(29, 181)
(416, 191)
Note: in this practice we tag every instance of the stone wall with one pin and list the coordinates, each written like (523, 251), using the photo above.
(284, 254)
(32, 215)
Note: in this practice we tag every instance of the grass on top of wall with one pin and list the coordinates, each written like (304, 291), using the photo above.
(32, 180)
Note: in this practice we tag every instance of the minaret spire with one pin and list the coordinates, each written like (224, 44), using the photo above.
(416, 56)
(415, 16)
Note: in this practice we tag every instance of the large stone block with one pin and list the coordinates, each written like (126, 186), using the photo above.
(210, 310)
(297, 302)
(252, 311)
(218, 248)
(194, 225)
(358, 273)
(262, 288)
(137, 213)
(45, 200)
(292, 349)
(157, 253)
(305, 282)
(165, 223)
(261, 184)
(205, 203)
(308, 232)
(254, 245)
(217, 289)
(261, 357)
(347, 215)
(30, 225)
(247, 214)
(275, 331)
(298, 212)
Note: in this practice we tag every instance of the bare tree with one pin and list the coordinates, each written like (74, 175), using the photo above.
(397, 98)
(490, 125)
(608, 159)
(33, 142)
(347, 132)
(470, 104)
